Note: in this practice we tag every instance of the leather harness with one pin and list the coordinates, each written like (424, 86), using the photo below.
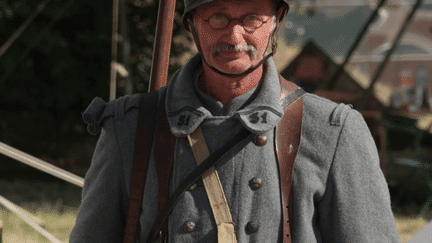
(286, 142)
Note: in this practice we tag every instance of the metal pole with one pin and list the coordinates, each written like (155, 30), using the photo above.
(114, 50)
(162, 44)
(21, 29)
(126, 46)
(357, 41)
(28, 220)
(35, 219)
(362, 103)
(41, 165)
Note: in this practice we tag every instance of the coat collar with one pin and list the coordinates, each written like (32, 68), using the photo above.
(185, 110)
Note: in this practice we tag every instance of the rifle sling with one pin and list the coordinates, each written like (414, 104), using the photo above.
(143, 144)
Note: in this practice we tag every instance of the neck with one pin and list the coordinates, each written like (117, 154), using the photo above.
(223, 88)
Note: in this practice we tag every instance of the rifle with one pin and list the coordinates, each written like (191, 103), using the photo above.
(158, 78)
(162, 44)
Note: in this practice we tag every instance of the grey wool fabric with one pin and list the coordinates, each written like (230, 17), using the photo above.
(339, 191)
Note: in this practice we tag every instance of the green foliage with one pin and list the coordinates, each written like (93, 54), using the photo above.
(42, 94)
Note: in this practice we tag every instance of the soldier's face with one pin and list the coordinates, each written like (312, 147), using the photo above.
(235, 48)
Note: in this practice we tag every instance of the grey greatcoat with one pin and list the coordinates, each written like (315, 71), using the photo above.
(339, 191)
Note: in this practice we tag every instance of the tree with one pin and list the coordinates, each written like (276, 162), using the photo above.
(42, 99)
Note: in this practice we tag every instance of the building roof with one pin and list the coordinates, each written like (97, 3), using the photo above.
(336, 23)
(348, 88)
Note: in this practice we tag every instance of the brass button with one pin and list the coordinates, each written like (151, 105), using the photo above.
(189, 227)
(260, 140)
(255, 183)
(192, 187)
(252, 227)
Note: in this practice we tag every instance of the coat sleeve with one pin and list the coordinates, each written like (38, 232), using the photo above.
(356, 203)
(101, 217)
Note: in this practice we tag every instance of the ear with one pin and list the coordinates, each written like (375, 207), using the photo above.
(281, 12)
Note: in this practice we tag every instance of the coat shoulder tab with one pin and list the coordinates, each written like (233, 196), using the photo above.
(339, 113)
(98, 111)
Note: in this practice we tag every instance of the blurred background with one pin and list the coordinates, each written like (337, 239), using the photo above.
(57, 55)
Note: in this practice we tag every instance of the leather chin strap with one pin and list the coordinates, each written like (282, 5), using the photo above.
(234, 75)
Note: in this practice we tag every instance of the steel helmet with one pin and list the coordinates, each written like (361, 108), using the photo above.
(193, 4)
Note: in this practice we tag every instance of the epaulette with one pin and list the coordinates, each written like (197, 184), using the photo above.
(339, 113)
(98, 111)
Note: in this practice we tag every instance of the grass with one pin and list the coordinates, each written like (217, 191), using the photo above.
(57, 203)
(57, 221)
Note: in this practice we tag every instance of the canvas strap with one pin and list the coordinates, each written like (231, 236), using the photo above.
(192, 178)
(214, 190)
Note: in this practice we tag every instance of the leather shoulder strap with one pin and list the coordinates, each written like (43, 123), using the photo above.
(152, 129)
(164, 149)
(143, 144)
(287, 141)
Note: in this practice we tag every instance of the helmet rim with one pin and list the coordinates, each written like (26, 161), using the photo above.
(191, 5)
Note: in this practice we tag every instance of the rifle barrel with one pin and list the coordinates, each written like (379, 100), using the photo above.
(162, 44)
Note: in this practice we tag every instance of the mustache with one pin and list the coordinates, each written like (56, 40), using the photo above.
(251, 50)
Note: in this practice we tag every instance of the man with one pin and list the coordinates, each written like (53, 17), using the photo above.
(339, 192)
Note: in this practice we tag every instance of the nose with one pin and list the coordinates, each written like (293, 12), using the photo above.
(235, 32)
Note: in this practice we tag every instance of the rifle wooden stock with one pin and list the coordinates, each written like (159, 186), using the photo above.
(162, 44)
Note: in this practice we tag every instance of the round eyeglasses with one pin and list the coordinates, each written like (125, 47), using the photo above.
(250, 22)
